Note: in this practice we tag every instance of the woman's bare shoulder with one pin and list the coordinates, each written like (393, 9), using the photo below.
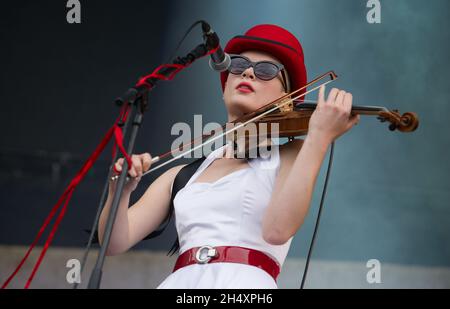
(169, 175)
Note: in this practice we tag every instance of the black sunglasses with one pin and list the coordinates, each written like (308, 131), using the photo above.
(264, 70)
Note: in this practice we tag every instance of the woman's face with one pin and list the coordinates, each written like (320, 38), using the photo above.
(242, 100)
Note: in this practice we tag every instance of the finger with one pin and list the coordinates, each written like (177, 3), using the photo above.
(117, 168)
(321, 97)
(340, 97)
(142, 161)
(137, 164)
(348, 99)
(332, 95)
(146, 161)
(118, 165)
(132, 172)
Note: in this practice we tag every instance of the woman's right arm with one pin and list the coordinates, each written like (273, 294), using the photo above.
(145, 216)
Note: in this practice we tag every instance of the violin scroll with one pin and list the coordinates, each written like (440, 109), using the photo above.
(408, 122)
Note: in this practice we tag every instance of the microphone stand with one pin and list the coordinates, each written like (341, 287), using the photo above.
(125, 127)
(138, 107)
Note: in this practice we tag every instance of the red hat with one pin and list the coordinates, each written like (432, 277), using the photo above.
(276, 41)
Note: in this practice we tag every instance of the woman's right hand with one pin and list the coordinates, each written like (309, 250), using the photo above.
(140, 164)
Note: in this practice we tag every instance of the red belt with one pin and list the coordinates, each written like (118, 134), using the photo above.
(208, 254)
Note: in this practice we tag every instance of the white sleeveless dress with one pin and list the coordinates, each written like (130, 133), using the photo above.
(227, 212)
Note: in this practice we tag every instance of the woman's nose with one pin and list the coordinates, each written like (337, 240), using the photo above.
(248, 73)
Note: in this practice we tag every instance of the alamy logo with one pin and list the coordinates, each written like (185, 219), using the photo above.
(374, 14)
(74, 14)
(374, 274)
(249, 139)
(73, 275)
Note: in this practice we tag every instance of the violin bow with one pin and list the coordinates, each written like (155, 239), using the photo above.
(243, 121)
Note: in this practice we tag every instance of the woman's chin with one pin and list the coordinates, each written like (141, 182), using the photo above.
(243, 108)
(243, 101)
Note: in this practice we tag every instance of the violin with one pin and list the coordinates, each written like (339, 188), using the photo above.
(290, 115)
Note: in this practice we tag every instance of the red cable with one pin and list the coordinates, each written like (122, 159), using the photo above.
(115, 131)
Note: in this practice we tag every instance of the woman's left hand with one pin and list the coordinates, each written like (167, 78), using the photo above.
(332, 117)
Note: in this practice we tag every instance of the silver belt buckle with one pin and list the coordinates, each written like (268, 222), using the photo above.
(205, 258)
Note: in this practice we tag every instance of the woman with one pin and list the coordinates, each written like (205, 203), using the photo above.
(236, 218)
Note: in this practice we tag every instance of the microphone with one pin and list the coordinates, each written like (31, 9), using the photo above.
(220, 61)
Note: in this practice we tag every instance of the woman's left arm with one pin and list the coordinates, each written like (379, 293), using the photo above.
(300, 166)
